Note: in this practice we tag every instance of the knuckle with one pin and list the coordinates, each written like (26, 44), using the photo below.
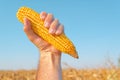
(31, 38)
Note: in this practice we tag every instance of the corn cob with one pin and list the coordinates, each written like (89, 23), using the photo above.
(60, 42)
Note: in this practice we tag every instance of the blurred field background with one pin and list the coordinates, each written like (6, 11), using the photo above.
(110, 72)
(68, 74)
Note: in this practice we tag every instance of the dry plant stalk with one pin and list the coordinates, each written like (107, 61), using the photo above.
(68, 74)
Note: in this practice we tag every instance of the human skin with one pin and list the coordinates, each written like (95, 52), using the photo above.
(49, 67)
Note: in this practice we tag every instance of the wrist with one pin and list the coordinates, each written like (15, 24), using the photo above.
(50, 62)
(50, 52)
(50, 57)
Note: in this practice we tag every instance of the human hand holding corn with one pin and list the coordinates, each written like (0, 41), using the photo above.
(54, 27)
(53, 33)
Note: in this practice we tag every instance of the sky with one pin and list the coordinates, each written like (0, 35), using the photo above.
(92, 25)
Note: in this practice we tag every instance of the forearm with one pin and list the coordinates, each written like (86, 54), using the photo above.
(49, 66)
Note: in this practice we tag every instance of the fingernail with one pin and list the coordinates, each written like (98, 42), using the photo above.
(51, 31)
(25, 21)
(46, 24)
(42, 17)
(58, 33)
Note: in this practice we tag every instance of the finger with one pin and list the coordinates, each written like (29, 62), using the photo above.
(60, 30)
(48, 20)
(53, 26)
(43, 15)
(27, 23)
(28, 30)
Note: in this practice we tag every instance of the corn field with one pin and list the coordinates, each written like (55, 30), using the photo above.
(68, 74)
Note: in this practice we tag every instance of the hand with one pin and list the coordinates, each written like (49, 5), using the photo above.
(54, 27)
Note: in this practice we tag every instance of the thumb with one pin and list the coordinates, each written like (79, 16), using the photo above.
(30, 34)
